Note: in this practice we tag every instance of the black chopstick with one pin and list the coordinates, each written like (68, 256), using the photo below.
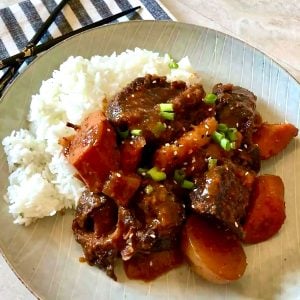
(12, 69)
(34, 50)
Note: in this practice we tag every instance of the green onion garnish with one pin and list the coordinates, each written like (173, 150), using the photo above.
(222, 127)
(179, 175)
(148, 189)
(142, 171)
(156, 174)
(123, 134)
(167, 115)
(212, 162)
(210, 99)
(218, 136)
(173, 65)
(186, 184)
(166, 107)
(136, 132)
(159, 128)
(232, 134)
(233, 145)
(225, 144)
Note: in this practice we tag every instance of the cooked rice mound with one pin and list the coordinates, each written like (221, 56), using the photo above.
(41, 181)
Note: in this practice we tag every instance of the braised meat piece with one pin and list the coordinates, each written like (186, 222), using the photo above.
(137, 107)
(106, 230)
(220, 193)
(95, 219)
(236, 107)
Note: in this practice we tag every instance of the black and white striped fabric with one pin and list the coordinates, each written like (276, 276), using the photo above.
(19, 22)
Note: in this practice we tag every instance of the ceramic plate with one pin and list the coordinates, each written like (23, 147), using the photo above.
(45, 255)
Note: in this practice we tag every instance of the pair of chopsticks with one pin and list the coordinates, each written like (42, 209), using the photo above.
(13, 63)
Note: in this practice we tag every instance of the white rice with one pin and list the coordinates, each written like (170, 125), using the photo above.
(41, 182)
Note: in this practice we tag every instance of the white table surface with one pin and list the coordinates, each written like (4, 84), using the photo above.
(271, 26)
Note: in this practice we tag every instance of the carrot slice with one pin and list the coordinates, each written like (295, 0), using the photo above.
(93, 151)
(267, 209)
(273, 138)
(169, 156)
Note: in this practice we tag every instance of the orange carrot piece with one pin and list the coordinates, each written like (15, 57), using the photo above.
(168, 156)
(266, 211)
(273, 138)
(93, 151)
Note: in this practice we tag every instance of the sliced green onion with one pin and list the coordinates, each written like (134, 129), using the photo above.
(136, 132)
(232, 134)
(210, 99)
(167, 115)
(156, 174)
(222, 127)
(212, 162)
(166, 107)
(179, 175)
(186, 184)
(148, 189)
(173, 64)
(218, 136)
(123, 134)
(233, 145)
(142, 171)
(159, 128)
(225, 144)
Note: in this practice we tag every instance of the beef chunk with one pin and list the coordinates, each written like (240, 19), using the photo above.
(220, 193)
(137, 107)
(236, 107)
(95, 219)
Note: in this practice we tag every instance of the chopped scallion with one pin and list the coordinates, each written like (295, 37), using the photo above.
(186, 184)
(233, 145)
(142, 171)
(148, 189)
(210, 99)
(166, 107)
(167, 115)
(212, 162)
(136, 132)
(218, 136)
(123, 134)
(232, 134)
(159, 128)
(225, 144)
(222, 127)
(179, 175)
(156, 174)
(173, 64)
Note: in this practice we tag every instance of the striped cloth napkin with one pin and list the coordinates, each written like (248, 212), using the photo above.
(19, 22)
